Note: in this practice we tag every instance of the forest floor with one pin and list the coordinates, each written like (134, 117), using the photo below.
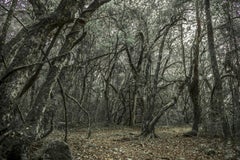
(123, 144)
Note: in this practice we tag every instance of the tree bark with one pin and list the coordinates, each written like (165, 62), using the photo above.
(32, 130)
(217, 106)
(28, 52)
(194, 82)
(38, 8)
(232, 65)
(4, 31)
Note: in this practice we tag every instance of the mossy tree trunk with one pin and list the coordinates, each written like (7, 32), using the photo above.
(15, 138)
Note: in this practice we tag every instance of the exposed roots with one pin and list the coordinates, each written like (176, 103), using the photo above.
(192, 133)
(148, 135)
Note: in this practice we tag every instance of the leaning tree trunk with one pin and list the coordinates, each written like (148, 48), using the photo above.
(14, 140)
(148, 129)
(25, 51)
(218, 104)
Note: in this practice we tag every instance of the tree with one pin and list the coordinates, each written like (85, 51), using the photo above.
(230, 31)
(193, 77)
(30, 42)
(217, 104)
(127, 63)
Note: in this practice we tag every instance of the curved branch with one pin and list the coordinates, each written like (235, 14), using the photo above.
(30, 65)
(85, 111)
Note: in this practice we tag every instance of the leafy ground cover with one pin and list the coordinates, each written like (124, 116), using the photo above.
(123, 144)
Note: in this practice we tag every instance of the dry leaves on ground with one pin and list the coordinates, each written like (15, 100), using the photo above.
(123, 144)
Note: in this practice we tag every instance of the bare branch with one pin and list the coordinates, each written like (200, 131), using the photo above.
(84, 110)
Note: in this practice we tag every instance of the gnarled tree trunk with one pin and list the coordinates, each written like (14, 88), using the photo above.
(14, 138)
(149, 120)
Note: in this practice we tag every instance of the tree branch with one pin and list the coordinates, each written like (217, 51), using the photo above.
(85, 111)
(30, 65)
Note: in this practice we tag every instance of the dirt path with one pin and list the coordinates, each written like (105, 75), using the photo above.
(121, 143)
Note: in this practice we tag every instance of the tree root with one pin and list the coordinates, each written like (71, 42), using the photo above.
(147, 135)
(192, 133)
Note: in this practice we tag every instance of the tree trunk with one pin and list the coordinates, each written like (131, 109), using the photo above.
(16, 139)
(107, 86)
(194, 84)
(29, 47)
(149, 107)
(149, 126)
(232, 65)
(217, 106)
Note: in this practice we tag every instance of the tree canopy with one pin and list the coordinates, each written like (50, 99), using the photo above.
(142, 63)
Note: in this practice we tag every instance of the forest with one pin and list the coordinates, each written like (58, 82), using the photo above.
(119, 79)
